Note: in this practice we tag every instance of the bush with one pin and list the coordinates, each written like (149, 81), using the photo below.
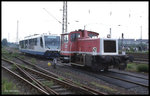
(142, 68)
(4, 42)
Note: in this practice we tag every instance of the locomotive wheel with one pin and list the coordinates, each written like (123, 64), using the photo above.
(97, 68)
(74, 66)
(106, 68)
(123, 66)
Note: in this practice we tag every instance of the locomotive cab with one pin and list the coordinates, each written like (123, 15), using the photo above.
(85, 48)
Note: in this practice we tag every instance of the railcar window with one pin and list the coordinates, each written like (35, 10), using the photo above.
(41, 42)
(26, 43)
(35, 41)
(21, 44)
(31, 43)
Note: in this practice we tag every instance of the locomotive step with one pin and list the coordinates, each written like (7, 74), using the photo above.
(76, 64)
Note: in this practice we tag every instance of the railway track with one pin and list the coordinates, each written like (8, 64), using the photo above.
(57, 76)
(120, 78)
(140, 58)
(146, 78)
(123, 80)
(141, 62)
(127, 80)
(24, 80)
(100, 76)
(59, 86)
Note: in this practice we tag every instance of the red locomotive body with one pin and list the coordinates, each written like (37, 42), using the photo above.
(84, 48)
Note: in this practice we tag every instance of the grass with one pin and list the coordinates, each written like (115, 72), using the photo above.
(14, 67)
(8, 87)
(15, 54)
(103, 87)
(33, 83)
(78, 83)
(9, 55)
(137, 67)
(48, 83)
(33, 61)
(22, 57)
(23, 66)
(61, 78)
(5, 52)
(131, 67)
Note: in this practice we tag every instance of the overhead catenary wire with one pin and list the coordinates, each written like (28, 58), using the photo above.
(52, 15)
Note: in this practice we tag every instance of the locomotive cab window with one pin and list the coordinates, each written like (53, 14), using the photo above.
(74, 36)
(65, 38)
(91, 35)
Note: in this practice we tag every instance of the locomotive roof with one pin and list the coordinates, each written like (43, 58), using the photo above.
(79, 31)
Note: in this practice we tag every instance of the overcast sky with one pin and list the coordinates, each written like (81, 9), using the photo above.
(96, 16)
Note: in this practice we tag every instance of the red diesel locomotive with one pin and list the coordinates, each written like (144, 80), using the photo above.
(84, 48)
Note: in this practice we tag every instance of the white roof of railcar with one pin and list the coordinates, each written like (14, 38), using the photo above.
(38, 35)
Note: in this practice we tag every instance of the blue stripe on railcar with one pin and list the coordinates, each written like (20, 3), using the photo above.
(32, 52)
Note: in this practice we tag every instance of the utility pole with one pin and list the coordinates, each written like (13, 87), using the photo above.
(110, 32)
(122, 40)
(17, 33)
(141, 39)
(64, 20)
(141, 35)
(8, 37)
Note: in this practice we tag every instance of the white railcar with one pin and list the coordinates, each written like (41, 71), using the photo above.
(45, 45)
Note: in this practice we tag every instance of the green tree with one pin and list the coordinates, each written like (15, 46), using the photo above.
(4, 42)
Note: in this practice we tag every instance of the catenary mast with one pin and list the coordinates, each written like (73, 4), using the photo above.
(64, 21)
